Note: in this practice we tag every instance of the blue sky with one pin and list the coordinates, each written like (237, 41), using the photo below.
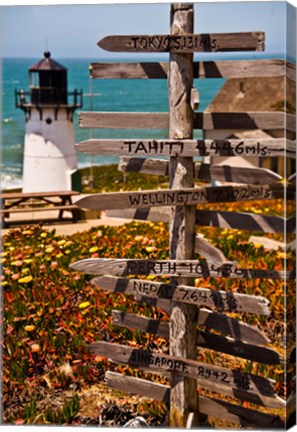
(73, 30)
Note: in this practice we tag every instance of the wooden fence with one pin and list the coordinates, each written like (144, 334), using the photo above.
(191, 307)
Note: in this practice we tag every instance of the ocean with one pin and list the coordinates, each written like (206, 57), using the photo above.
(99, 95)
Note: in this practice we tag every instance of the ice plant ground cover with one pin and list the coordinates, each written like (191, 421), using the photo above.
(51, 313)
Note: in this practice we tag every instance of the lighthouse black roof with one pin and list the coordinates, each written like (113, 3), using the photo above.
(47, 64)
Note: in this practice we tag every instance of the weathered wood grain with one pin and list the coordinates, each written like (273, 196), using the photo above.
(215, 218)
(208, 69)
(245, 417)
(185, 196)
(221, 300)
(221, 379)
(223, 410)
(136, 322)
(212, 254)
(183, 317)
(189, 147)
(203, 121)
(138, 386)
(185, 43)
(267, 243)
(243, 221)
(202, 171)
(172, 268)
(203, 339)
(240, 331)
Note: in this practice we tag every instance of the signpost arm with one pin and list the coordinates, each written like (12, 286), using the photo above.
(183, 395)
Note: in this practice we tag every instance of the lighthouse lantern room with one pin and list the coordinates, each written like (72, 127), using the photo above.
(49, 155)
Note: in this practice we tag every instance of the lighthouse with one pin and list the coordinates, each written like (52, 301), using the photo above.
(49, 156)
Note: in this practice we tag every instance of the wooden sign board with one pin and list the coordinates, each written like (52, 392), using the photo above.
(218, 378)
(248, 41)
(189, 147)
(209, 319)
(182, 197)
(205, 340)
(245, 221)
(201, 69)
(202, 171)
(214, 218)
(212, 254)
(202, 121)
(174, 268)
(221, 300)
(216, 408)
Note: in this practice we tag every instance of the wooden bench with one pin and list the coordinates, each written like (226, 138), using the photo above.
(38, 201)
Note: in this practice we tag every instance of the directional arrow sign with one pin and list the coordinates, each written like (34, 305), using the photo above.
(187, 196)
(211, 320)
(248, 41)
(204, 339)
(187, 147)
(175, 268)
(218, 378)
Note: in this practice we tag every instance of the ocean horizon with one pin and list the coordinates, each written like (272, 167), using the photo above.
(98, 95)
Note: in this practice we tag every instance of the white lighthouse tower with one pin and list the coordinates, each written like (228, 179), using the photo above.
(49, 155)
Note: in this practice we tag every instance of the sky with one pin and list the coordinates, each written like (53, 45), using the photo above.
(72, 31)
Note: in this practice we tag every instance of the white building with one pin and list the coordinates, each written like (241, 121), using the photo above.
(49, 155)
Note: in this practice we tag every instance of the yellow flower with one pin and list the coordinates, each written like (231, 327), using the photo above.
(28, 261)
(61, 242)
(27, 232)
(84, 305)
(30, 328)
(93, 249)
(2, 260)
(4, 254)
(230, 237)
(25, 279)
(67, 252)
(151, 248)
(43, 235)
(49, 249)
(258, 245)
(25, 270)
(281, 255)
(59, 255)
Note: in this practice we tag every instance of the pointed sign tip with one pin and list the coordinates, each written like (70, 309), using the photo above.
(102, 43)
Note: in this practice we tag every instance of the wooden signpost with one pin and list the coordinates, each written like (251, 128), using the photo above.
(206, 69)
(205, 121)
(246, 418)
(203, 339)
(185, 197)
(185, 43)
(202, 171)
(174, 268)
(189, 147)
(199, 316)
(229, 382)
(214, 218)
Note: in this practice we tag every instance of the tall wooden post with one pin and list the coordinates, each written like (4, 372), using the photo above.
(184, 397)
